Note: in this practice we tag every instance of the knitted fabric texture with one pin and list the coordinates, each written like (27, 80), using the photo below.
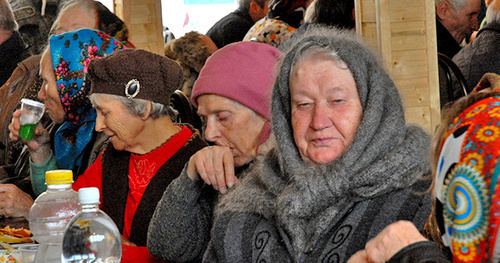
(466, 183)
(156, 77)
(241, 71)
(386, 155)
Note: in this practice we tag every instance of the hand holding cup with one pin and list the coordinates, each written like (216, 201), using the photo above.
(31, 113)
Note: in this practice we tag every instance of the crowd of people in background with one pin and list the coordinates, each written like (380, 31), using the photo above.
(298, 151)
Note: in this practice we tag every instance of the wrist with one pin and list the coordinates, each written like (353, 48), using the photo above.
(40, 155)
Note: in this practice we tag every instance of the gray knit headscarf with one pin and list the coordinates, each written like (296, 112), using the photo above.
(386, 154)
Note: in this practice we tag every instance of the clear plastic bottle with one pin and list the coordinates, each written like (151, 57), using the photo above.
(91, 236)
(50, 214)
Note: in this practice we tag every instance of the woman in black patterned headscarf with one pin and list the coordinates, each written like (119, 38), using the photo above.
(90, 14)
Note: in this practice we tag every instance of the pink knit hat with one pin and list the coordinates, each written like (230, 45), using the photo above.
(241, 71)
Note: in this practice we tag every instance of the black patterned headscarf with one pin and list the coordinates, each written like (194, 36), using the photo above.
(290, 11)
(112, 25)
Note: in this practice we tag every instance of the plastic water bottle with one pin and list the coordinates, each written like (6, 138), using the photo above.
(91, 236)
(50, 214)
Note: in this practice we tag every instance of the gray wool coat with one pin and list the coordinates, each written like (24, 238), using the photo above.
(286, 210)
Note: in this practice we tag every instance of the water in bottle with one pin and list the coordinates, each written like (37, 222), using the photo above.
(91, 236)
(50, 214)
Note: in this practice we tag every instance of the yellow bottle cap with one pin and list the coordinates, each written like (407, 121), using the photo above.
(59, 177)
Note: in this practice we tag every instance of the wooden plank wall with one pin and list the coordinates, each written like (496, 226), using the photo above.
(405, 33)
(144, 21)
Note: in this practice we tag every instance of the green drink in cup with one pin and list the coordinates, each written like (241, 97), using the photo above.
(31, 113)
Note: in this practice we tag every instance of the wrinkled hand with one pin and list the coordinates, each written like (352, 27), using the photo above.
(127, 242)
(39, 147)
(215, 166)
(14, 202)
(388, 242)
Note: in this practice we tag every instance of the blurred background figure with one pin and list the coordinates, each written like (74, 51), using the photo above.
(282, 19)
(35, 18)
(337, 13)
(12, 48)
(90, 14)
(168, 35)
(455, 22)
(190, 52)
(234, 26)
(480, 56)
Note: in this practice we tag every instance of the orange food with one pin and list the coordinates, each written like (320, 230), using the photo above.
(15, 235)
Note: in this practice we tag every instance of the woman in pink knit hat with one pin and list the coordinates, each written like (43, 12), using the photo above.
(232, 95)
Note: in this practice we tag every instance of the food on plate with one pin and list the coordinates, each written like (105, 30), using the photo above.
(15, 235)
(7, 246)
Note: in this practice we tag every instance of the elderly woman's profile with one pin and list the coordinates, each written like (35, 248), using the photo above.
(131, 92)
(346, 164)
(232, 95)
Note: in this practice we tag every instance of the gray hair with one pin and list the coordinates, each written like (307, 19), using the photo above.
(138, 107)
(84, 5)
(314, 49)
(493, 13)
(245, 4)
(456, 4)
(7, 19)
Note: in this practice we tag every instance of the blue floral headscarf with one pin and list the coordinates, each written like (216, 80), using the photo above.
(71, 52)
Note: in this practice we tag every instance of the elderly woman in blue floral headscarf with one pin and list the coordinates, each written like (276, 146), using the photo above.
(65, 91)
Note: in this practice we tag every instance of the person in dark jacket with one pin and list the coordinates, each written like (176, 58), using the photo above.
(234, 26)
(465, 222)
(12, 47)
(346, 165)
(455, 22)
(480, 56)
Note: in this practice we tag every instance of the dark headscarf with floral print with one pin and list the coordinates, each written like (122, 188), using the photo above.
(290, 11)
(71, 52)
(110, 24)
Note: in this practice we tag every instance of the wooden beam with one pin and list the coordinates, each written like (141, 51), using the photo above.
(144, 21)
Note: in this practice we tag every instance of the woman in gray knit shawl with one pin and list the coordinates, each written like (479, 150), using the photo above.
(345, 167)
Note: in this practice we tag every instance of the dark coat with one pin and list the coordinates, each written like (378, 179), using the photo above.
(231, 28)
(13, 51)
(480, 56)
(446, 43)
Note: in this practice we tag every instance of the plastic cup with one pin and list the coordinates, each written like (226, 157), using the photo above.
(32, 112)
(28, 252)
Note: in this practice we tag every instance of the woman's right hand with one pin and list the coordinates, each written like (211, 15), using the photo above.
(39, 147)
(215, 166)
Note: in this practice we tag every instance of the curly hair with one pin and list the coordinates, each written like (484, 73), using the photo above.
(190, 53)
